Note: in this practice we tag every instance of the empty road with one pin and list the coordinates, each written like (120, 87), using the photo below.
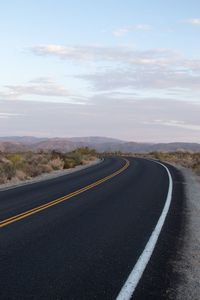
(81, 235)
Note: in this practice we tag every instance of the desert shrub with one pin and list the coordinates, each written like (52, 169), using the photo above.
(2, 175)
(56, 154)
(44, 159)
(24, 165)
(8, 171)
(20, 175)
(28, 155)
(45, 168)
(85, 151)
(57, 163)
(15, 159)
(69, 163)
(185, 158)
(157, 155)
(31, 170)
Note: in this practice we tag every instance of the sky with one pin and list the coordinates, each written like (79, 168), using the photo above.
(125, 69)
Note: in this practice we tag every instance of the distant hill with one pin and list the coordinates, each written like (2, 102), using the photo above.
(165, 147)
(60, 144)
(28, 140)
(12, 144)
(176, 146)
(96, 140)
(12, 147)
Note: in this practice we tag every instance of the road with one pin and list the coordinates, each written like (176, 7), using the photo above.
(80, 235)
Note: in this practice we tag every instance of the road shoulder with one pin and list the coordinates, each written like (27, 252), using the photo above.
(187, 263)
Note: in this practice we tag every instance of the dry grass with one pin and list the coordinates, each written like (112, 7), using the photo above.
(21, 166)
(186, 159)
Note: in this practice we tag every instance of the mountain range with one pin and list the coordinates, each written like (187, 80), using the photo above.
(25, 143)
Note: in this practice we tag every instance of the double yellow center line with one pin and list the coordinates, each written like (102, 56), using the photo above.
(37, 209)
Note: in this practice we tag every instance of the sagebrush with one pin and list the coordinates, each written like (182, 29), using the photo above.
(26, 165)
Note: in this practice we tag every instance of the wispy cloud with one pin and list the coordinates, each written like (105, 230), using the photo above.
(39, 87)
(143, 117)
(144, 79)
(127, 29)
(124, 55)
(6, 115)
(193, 21)
(176, 123)
(161, 69)
(68, 52)
(100, 53)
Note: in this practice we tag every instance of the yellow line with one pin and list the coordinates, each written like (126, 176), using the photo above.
(32, 211)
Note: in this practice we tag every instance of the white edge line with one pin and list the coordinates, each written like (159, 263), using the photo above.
(135, 275)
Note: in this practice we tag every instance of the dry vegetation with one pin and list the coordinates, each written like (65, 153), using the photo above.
(26, 165)
(185, 159)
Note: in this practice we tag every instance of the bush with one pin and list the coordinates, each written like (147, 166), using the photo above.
(69, 163)
(20, 175)
(29, 164)
(7, 171)
(185, 158)
(2, 175)
(15, 159)
(57, 164)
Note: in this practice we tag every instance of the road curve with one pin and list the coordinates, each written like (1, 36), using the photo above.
(79, 236)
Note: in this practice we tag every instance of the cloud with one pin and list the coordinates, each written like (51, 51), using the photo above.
(159, 57)
(125, 55)
(154, 69)
(125, 30)
(67, 52)
(132, 119)
(193, 21)
(6, 115)
(40, 87)
(143, 79)
(176, 123)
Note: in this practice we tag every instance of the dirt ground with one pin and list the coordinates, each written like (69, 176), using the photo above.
(187, 262)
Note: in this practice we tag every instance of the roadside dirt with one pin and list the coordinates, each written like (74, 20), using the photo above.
(186, 265)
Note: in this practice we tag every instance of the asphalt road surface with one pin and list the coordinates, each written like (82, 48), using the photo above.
(79, 236)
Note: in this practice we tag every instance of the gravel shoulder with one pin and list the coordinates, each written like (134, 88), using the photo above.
(47, 176)
(186, 265)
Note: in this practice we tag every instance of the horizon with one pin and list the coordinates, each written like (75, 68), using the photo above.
(129, 71)
(103, 137)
